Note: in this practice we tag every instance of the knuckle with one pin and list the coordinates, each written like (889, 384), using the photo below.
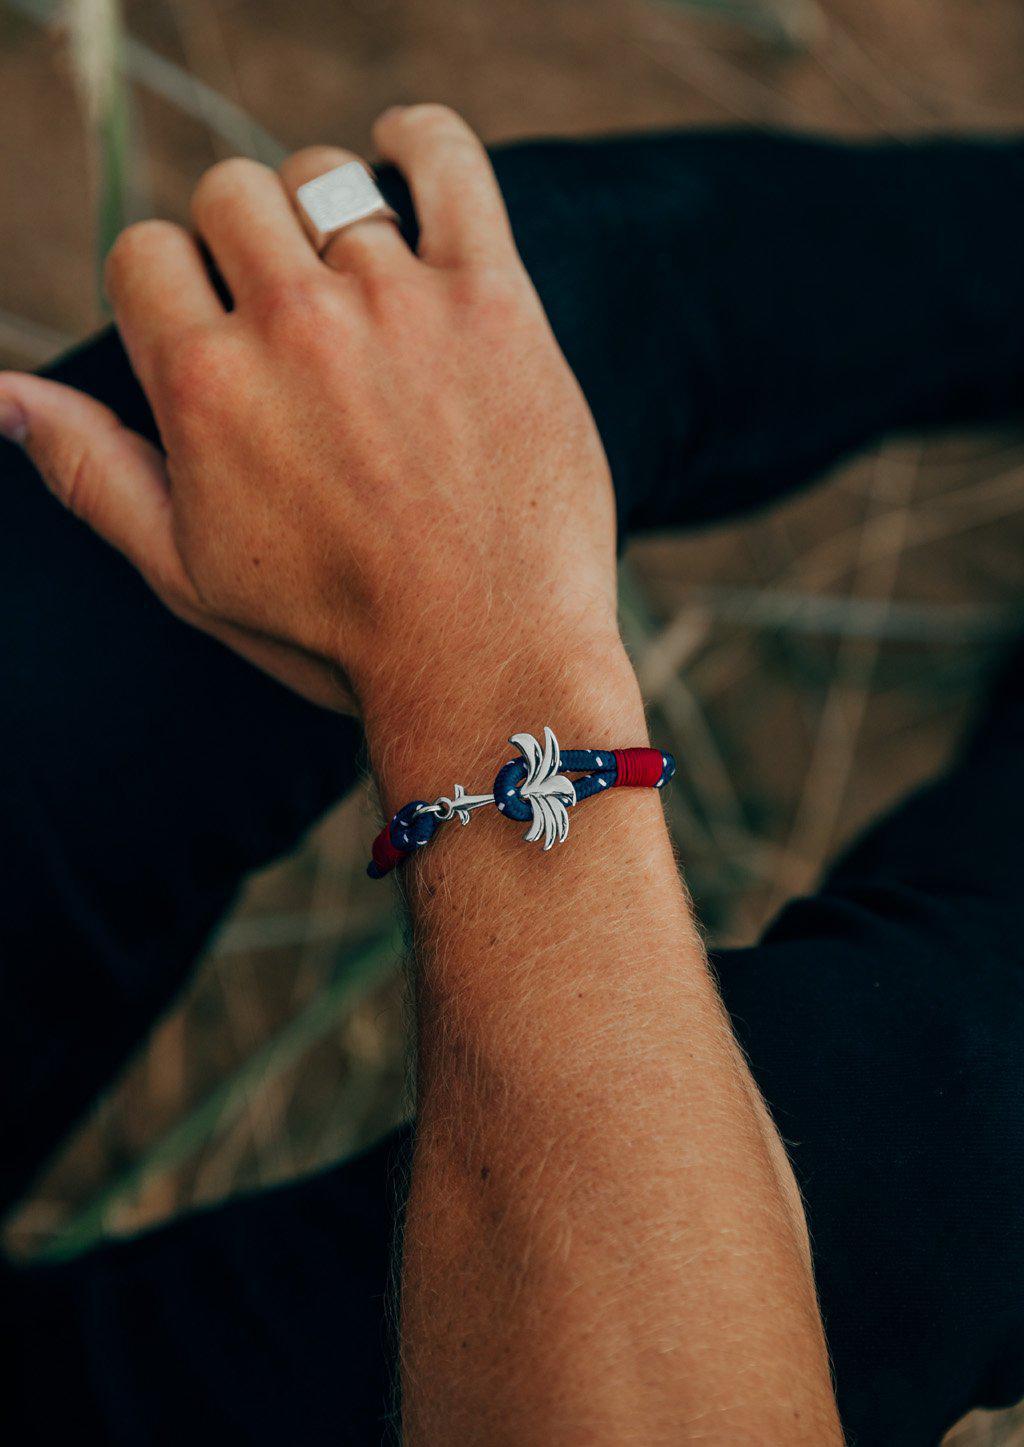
(433, 119)
(193, 369)
(307, 158)
(137, 244)
(311, 161)
(388, 295)
(225, 179)
(493, 293)
(299, 310)
(79, 480)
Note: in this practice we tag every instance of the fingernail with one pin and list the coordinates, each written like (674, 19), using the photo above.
(13, 420)
(392, 111)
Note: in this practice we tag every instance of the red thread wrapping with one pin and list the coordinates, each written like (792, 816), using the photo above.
(638, 768)
(385, 855)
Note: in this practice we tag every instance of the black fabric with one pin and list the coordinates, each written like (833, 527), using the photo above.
(741, 311)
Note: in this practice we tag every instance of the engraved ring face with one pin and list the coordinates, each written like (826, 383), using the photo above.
(337, 199)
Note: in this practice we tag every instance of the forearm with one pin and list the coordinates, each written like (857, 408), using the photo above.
(603, 1242)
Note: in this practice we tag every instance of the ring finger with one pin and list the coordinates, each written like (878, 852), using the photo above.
(254, 237)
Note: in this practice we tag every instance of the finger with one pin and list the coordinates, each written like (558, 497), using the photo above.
(160, 289)
(252, 232)
(461, 213)
(372, 244)
(107, 475)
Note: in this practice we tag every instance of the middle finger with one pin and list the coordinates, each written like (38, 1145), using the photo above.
(242, 213)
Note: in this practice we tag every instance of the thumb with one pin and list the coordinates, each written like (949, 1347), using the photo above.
(107, 475)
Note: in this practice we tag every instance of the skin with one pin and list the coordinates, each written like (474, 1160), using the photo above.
(381, 484)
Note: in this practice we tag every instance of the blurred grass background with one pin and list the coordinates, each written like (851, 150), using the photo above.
(806, 667)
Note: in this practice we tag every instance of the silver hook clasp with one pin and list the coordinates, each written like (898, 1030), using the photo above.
(459, 807)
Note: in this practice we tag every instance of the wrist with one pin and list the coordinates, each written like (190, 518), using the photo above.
(428, 727)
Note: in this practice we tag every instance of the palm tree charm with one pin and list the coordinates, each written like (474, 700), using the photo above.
(548, 793)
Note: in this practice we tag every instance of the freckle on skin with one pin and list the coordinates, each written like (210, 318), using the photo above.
(485, 1173)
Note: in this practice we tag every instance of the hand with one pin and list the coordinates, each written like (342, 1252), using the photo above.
(371, 458)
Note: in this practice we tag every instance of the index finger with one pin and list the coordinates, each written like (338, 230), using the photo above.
(160, 289)
(461, 212)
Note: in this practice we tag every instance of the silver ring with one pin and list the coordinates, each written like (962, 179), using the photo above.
(337, 199)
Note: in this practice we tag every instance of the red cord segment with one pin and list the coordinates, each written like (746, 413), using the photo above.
(385, 855)
(638, 768)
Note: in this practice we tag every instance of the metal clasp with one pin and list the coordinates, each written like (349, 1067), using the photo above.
(459, 807)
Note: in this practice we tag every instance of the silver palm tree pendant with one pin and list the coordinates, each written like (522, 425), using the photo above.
(549, 794)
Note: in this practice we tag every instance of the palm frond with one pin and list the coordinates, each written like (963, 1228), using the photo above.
(548, 793)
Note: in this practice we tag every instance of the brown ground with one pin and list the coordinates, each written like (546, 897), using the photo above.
(791, 739)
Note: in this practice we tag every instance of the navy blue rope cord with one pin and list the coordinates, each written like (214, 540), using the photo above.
(602, 769)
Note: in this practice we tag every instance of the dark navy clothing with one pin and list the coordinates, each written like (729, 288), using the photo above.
(742, 311)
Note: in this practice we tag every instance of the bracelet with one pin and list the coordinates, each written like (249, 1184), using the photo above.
(528, 788)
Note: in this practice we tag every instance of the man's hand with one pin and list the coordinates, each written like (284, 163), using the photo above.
(357, 442)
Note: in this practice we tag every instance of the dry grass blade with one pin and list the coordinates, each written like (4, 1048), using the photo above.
(732, 88)
(275, 931)
(360, 971)
(711, 825)
(701, 754)
(241, 133)
(29, 342)
(796, 605)
(891, 621)
(96, 37)
(846, 701)
(783, 22)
